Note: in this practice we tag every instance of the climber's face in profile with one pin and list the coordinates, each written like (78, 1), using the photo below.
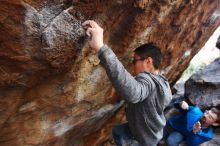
(147, 58)
(137, 64)
(142, 64)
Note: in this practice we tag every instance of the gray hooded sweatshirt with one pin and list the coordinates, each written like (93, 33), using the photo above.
(147, 95)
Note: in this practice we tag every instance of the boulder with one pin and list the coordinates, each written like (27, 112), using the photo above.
(53, 92)
(203, 88)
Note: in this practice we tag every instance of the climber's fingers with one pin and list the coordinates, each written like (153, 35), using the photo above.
(89, 32)
(90, 23)
(95, 34)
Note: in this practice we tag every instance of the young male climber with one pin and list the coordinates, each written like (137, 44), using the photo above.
(147, 94)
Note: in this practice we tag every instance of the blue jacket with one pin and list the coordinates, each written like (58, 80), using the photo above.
(184, 124)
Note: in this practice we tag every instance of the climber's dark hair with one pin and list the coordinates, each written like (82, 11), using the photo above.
(150, 50)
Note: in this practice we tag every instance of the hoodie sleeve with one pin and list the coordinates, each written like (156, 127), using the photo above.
(132, 89)
(193, 115)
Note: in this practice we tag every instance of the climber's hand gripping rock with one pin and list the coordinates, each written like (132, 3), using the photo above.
(95, 33)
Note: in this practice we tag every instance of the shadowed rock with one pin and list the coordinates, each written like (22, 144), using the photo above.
(203, 88)
(218, 43)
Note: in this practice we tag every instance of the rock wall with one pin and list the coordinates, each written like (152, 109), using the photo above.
(53, 92)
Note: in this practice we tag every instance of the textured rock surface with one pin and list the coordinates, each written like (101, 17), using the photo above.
(203, 88)
(53, 92)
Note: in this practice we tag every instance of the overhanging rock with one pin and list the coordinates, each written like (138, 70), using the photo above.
(53, 92)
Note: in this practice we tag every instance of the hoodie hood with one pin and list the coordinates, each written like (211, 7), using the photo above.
(163, 88)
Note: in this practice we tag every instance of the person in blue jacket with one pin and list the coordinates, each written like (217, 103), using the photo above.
(193, 126)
